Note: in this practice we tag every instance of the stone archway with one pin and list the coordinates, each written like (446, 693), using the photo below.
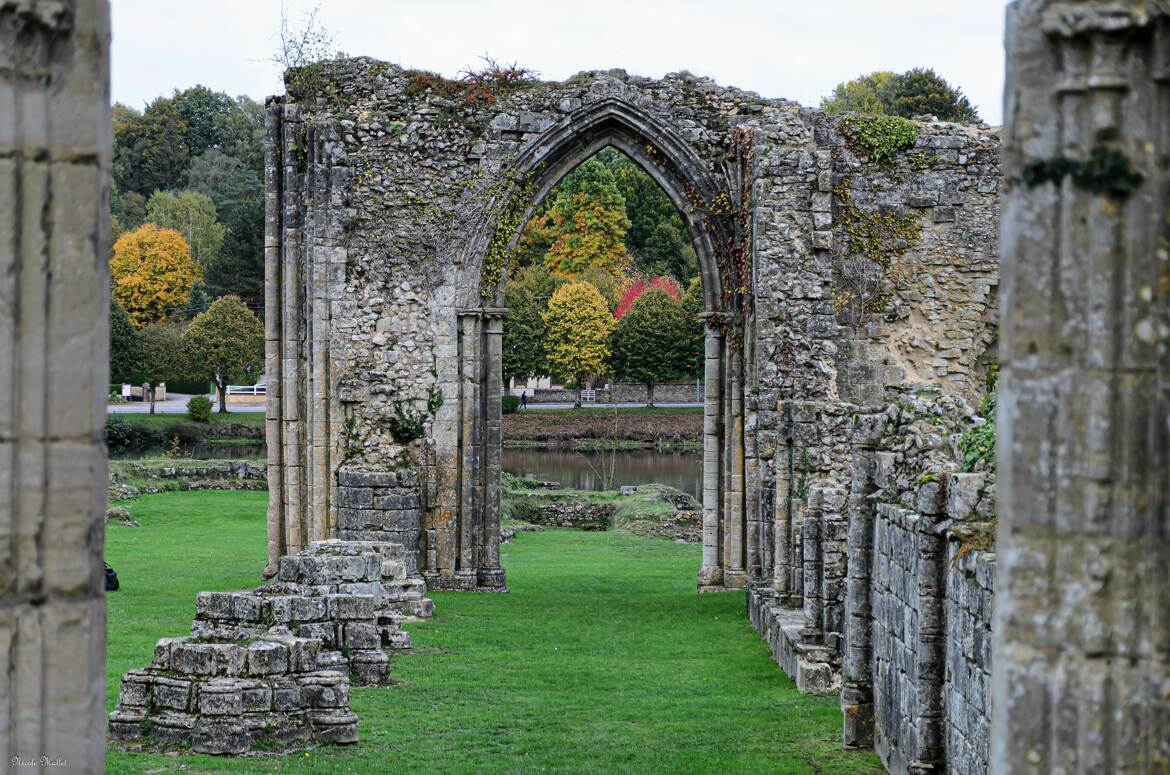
(680, 172)
(341, 463)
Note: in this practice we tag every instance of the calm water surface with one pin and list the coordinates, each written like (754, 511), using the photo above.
(591, 470)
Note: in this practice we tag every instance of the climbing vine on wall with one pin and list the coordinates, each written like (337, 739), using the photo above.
(499, 246)
(875, 241)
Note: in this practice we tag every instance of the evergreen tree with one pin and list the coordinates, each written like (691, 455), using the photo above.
(693, 354)
(916, 92)
(125, 349)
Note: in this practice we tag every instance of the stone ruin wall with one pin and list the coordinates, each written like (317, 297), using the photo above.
(884, 585)
(388, 194)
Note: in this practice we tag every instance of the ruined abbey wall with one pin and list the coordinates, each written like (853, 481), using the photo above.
(832, 270)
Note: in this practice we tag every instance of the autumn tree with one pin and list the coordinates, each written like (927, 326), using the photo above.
(650, 340)
(579, 325)
(225, 344)
(153, 272)
(916, 92)
(640, 286)
(162, 356)
(125, 349)
(526, 296)
(193, 215)
(870, 94)
(589, 215)
(657, 238)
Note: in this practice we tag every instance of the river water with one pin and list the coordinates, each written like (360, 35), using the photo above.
(608, 469)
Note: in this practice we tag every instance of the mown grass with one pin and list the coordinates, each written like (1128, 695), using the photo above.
(603, 410)
(601, 659)
(250, 419)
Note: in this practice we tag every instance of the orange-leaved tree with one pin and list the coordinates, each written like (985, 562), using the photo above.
(153, 272)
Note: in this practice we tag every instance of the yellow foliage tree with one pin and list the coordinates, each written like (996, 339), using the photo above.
(578, 325)
(153, 272)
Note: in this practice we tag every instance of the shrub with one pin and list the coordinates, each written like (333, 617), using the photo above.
(187, 433)
(199, 409)
(117, 433)
(510, 403)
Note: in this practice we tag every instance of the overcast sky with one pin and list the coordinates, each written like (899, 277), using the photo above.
(797, 49)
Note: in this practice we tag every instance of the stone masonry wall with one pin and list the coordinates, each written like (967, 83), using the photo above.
(395, 198)
(905, 633)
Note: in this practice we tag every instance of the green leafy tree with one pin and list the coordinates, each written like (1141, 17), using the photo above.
(869, 94)
(526, 296)
(238, 195)
(916, 92)
(694, 352)
(193, 215)
(225, 344)
(162, 356)
(589, 215)
(650, 340)
(204, 112)
(129, 208)
(579, 324)
(150, 148)
(657, 238)
(923, 91)
(125, 349)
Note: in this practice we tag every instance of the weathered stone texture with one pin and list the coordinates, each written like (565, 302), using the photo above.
(390, 209)
(54, 223)
(1082, 636)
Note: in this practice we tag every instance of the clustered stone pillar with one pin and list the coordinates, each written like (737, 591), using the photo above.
(1082, 614)
(711, 571)
(54, 232)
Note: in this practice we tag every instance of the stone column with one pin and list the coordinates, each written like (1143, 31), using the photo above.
(1082, 631)
(470, 441)
(711, 572)
(489, 573)
(856, 676)
(273, 336)
(734, 544)
(54, 234)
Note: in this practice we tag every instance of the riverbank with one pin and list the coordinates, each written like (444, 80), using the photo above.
(598, 428)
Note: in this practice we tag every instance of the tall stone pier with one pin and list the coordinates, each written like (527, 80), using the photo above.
(54, 164)
(1082, 627)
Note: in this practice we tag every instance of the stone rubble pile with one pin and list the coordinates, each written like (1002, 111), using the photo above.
(275, 664)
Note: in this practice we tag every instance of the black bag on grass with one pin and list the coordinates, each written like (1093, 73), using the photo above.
(111, 578)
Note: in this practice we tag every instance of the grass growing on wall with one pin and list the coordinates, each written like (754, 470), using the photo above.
(601, 659)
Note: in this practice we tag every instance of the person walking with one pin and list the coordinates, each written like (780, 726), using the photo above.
(523, 399)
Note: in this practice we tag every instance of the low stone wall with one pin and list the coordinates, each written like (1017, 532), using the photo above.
(881, 584)
(583, 516)
(907, 634)
(970, 595)
(625, 392)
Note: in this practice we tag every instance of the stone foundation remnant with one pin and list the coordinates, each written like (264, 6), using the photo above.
(275, 664)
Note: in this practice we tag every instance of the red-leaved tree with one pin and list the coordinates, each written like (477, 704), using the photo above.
(638, 287)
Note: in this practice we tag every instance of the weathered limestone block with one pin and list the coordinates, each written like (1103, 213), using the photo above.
(224, 697)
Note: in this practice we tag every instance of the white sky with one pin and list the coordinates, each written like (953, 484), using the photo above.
(797, 49)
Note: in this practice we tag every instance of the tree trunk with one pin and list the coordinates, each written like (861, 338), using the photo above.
(150, 387)
(580, 387)
(650, 394)
(221, 388)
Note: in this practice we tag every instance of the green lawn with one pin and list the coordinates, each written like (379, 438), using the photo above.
(602, 659)
(593, 411)
(250, 419)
